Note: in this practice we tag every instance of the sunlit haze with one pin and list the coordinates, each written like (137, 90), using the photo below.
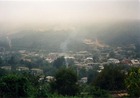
(31, 12)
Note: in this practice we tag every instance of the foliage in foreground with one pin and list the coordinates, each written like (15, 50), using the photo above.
(14, 85)
(111, 78)
(92, 91)
(133, 82)
(65, 82)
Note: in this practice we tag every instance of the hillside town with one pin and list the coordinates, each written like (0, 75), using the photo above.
(98, 55)
(88, 62)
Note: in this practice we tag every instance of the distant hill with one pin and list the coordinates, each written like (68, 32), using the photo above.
(116, 34)
(51, 40)
(122, 34)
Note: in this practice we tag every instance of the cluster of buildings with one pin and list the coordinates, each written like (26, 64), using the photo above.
(34, 71)
(87, 59)
(99, 54)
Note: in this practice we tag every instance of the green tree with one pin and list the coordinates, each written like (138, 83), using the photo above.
(2, 72)
(96, 92)
(13, 85)
(59, 62)
(82, 72)
(1, 61)
(92, 75)
(111, 78)
(12, 60)
(44, 90)
(32, 79)
(92, 91)
(133, 82)
(65, 82)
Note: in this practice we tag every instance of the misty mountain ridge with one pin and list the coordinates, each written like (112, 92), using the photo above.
(66, 39)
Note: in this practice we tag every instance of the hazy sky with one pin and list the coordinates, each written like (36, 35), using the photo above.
(67, 11)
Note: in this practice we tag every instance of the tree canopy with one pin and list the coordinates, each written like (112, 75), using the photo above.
(111, 78)
(65, 82)
(59, 62)
(13, 85)
(133, 82)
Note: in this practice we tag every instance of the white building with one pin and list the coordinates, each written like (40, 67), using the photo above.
(49, 78)
(6, 67)
(84, 80)
(36, 71)
(114, 61)
(88, 60)
(135, 62)
(22, 68)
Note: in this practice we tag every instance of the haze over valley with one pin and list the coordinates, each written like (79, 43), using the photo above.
(51, 24)
(70, 48)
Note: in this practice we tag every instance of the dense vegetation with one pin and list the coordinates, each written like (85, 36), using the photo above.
(111, 78)
(133, 82)
(65, 83)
